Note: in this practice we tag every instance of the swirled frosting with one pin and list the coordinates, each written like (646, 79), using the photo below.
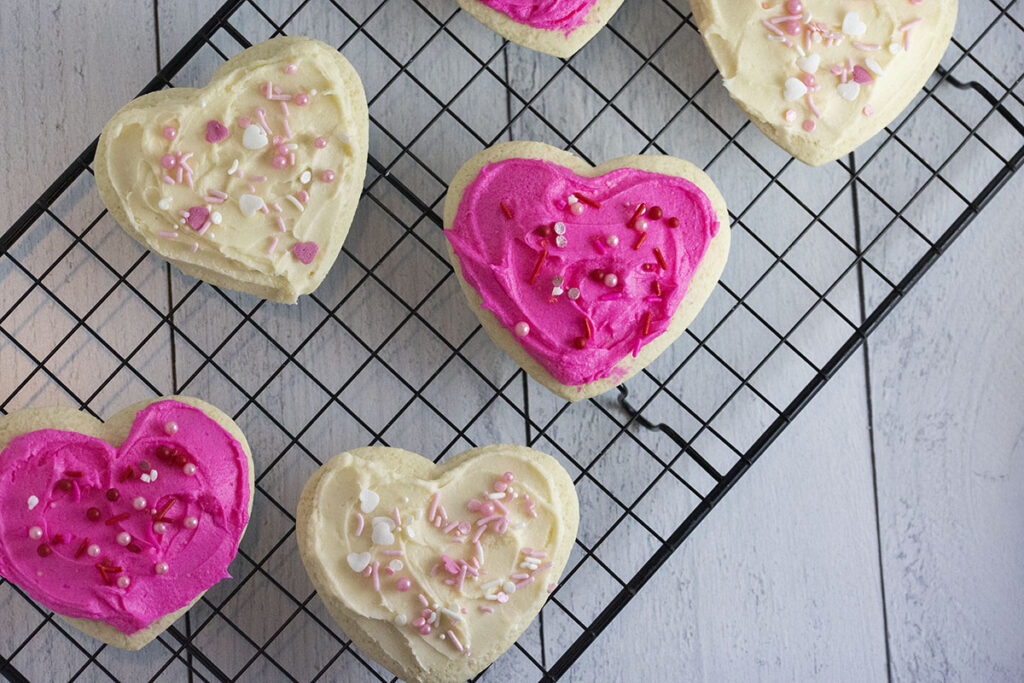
(583, 271)
(447, 569)
(825, 74)
(123, 534)
(563, 15)
(249, 175)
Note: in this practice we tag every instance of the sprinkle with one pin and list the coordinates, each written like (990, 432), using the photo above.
(487, 520)
(273, 245)
(552, 586)
(589, 327)
(518, 577)
(614, 296)
(524, 582)
(661, 258)
(280, 224)
(647, 323)
(234, 167)
(487, 609)
(169, 180)
(32, 502)
(433, 505)
(392, 553)
(587, 200)
(909, 24)
(640, 241)
(810, 105)
(865, 46)
(506, 210)
(423, 600)
(295, 202)
(376, 576)
(160, 515)
(398, 518)
(640, 210)
(455, 641)
(540, 262)
(117, 518)
(546, 565)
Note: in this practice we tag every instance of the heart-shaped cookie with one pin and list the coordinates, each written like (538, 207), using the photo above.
(859, 64)
(436, 570)
(584, 275)
(251, 182)
(121, 526)
(554, 27)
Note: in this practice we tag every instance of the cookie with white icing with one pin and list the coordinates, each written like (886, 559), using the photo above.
(584, 275)
(120, 526)
(820, 77)
(554, 27)
(435, 571)
(250, 182)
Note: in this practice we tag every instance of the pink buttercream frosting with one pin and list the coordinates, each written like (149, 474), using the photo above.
(55, 492)
(564, 15)
(566, 265)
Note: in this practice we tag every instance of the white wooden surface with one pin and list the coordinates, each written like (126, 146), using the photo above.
(785, 579)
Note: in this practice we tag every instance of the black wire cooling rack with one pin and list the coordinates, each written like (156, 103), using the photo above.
(387, 352)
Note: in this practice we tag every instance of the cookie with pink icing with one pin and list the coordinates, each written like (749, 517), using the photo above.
(555, 27)
(120, 526)
(584, 275)
(250, 182)
(820, 77)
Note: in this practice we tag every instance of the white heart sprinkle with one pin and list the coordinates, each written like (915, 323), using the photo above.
(409, 532)
(368, 501)
(853, 26)
(894, 48)
(874, 66)
(809, 64)
(305, 177)
(32, 502)
(249, 204)
(144, 478)
(395, 565)
(557, 291)
(382, 535)
(357, 562)
(795, 89)
(849, 90)
(164, 204)
(153, 475)
(254, 137)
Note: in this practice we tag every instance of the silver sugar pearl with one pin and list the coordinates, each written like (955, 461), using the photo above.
(574, 294)
(561, 241)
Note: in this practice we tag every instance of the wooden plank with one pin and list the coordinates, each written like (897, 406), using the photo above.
(948, 385)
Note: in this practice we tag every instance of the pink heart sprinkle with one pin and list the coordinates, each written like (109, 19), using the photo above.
(450, 565)
(861, 75)
(197, 216)
(216, 131)
(306, 251)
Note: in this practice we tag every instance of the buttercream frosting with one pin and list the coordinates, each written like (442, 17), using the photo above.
(563, 15)
(583, 271)
(126, 534)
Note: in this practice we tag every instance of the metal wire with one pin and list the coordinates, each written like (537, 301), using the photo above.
(648, 469)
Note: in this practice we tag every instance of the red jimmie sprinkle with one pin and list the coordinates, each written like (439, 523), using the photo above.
(164, 509)
(640, 211)
(82, 548)
(643, 236)
(540, 262)
(129, 473)
(661, 258)
(588, 201)
(647, 323)
(657, 288)
(589, 327)
(74, 474)
(507, 210)
(117, 518)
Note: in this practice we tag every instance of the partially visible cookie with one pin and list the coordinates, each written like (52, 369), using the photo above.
(121, 526)
(251, 182)
(555, 27)
(434, 571)
(820, 77)
(584, 275)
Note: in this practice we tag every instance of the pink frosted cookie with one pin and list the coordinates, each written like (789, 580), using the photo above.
(248, 183)
(121, 526)
(820, 77)
(434, 571)
(555, 27)
(584, 275)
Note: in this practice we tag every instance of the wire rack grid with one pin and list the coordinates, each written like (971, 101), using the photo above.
(386, 352)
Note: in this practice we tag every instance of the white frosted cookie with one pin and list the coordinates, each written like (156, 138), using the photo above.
(120, 526)
(554, 27)
(251, 182)
(584, 275)
(820, 77)
(435, 571)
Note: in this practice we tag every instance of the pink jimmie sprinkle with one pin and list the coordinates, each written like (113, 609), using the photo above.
(284, 111)
(261, 115)
(539, 554)
(454, 640)
(287, 128)
(359, 517)
(290, 69)
(486, 609)
(169, 235)
(270, 250)
(376, 576)
(524, 582)
(479, 532)
(499, 507)
(280, 224)
(479, 551)
(392, 553)
(866, 46)
(546, 565)
(810, 105)
(423, 600)
(462, 578)
(433, 505)
(909, 24)
(599, 247)
(451, 527)
(552, 586)
(771, 27)
(519, 577)
(487, 520)
(614, 296)
(397, 517)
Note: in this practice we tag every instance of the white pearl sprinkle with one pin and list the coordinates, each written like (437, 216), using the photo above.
(611, 280)
(612, 241)
(35, 533)
(139, 503)
(161, 568)
(191, 522)
(124, 538)
(189, 469)
(123, 582)
(93, 550)
(574, 294)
